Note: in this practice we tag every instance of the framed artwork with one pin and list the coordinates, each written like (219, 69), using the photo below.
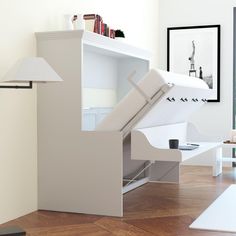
(195, 51)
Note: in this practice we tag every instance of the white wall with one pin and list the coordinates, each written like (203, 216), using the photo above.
(18, 22)
(214, 118)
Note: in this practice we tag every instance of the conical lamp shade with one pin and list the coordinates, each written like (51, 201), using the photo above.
(34, 69)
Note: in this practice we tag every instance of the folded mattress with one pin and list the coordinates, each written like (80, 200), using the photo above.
(133, 102)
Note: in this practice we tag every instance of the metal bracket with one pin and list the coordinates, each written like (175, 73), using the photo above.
(29, 86)
(130, 79)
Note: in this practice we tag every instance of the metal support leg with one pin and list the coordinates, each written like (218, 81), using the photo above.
(217, 161)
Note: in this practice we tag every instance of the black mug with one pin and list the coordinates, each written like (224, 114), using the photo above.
(173, 143)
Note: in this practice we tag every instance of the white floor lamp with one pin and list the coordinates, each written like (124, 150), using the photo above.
(32, 69)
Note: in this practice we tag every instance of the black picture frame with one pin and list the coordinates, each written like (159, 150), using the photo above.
(207, 38)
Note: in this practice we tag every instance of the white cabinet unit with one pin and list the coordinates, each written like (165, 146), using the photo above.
(81, 164)
(76, 172)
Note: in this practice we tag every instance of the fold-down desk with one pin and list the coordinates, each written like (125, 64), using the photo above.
(156, 110)
(151, 144)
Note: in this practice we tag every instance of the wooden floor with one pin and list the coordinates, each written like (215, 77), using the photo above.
(151, 210)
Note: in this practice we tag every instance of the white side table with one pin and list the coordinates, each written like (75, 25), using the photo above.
(229, 159)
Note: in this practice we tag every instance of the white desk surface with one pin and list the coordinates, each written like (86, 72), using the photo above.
(229, 145)
(203, 147)
(143, 150)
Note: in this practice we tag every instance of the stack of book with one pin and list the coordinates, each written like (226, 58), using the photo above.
(94, 23)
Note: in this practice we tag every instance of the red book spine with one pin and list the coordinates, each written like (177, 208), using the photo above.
(99, 25)
(103, 28)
